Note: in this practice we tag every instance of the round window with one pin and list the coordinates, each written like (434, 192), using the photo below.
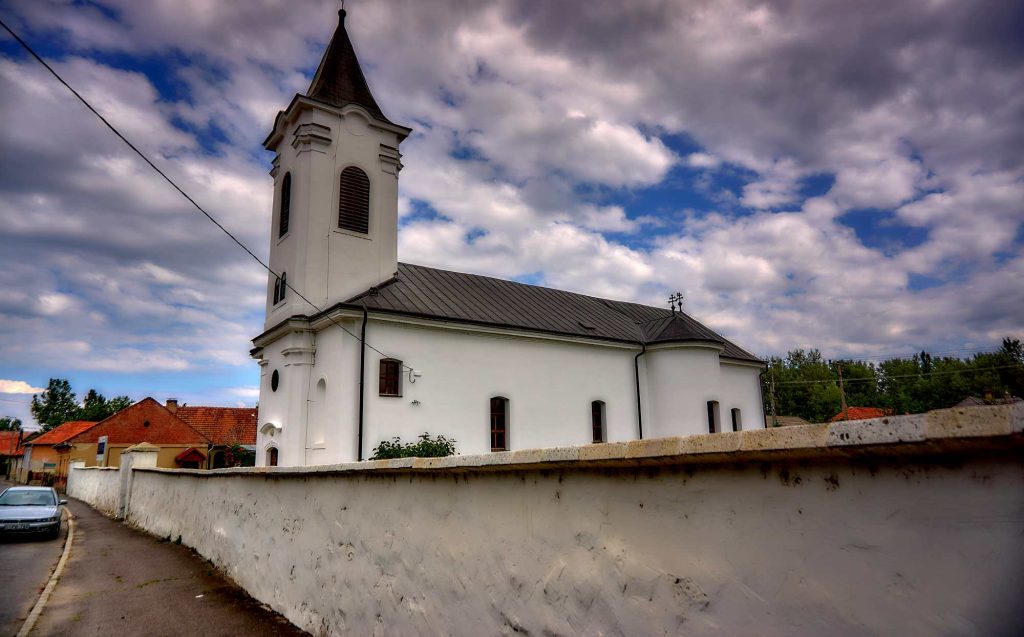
(275, 378)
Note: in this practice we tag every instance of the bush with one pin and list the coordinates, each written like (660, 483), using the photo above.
(238, 456)
(425, 447)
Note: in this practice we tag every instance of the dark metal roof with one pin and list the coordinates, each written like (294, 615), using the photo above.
(339, 79)
(442, 294)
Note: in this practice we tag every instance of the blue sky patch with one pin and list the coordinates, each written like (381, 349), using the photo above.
(880, 230)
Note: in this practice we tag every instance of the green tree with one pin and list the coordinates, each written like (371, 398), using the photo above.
(96, 407)
(56, 405)
(9, 424)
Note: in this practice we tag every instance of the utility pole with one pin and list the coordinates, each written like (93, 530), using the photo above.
(775, 417)
(842, 392)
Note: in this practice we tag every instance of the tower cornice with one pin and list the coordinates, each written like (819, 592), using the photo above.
(300, 103)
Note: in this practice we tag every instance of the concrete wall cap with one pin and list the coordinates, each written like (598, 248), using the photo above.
(996, 429)
(141, 447)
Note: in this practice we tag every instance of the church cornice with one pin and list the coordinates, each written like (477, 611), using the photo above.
(300, 103)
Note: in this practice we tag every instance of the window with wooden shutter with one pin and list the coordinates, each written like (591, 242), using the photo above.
(286, 205)
(499, 423)
(354, 201)
(390, 377)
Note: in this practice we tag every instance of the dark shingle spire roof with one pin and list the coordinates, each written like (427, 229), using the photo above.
(441, 294)
(339, 80)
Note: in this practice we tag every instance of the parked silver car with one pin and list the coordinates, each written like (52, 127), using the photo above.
(30, 510)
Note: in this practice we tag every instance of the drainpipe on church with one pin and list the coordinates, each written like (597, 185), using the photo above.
(639, 410)
(362, 382)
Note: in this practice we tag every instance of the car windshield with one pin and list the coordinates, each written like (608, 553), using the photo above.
(19, 498)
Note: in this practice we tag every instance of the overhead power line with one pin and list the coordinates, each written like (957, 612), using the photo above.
(884, 377)
(184, 194)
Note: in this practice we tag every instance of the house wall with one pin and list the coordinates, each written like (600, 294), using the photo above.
(165, 457)
(43, 458)
(550, 385)
(851, 528)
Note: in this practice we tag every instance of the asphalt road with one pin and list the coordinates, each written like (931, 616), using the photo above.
(119, 581)
(25, 567)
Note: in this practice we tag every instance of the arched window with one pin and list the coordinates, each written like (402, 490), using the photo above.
(354, 201)
(286, 205)
(597, 420)
(499, 423)
(280, 285)
(713, 423)
(390, 377)
(272, 457)
(737, 419)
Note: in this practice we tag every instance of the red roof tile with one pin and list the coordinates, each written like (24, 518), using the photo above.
(222, 425)
(63, 432)
(145, 421)
(9, 443)
(861, 413)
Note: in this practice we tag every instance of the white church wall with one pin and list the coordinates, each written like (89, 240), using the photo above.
(333, 428)
(285, 409)
(741, 389)
(549, 385)
(681, 380)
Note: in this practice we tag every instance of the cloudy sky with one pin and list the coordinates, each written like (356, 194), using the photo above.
(840, 175)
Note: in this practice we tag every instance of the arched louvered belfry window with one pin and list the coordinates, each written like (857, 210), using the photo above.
(354, 201)
(286, 205)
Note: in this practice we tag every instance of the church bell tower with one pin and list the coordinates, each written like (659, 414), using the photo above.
(335, 214)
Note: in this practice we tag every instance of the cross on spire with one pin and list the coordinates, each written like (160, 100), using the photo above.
(675, 301)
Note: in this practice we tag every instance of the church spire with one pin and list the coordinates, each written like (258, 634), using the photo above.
(339, 80)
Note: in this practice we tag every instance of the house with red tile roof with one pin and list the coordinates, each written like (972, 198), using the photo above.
(224, 426)
(145, 421)
(861, 413)
(42, 459)
(11, 453)
(188, 437)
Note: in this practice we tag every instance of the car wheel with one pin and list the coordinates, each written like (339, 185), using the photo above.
(54, 534)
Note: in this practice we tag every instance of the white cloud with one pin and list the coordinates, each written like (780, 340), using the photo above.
(702, 160)
(534, 142)
(17, 387)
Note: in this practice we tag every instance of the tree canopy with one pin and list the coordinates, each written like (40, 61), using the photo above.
(58, 405)
(804, 384)
(9, 424)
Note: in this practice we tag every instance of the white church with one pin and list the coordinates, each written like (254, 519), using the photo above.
(401, 349)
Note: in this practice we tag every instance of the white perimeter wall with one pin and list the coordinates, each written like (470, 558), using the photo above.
(833, 547)
(100, 487)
